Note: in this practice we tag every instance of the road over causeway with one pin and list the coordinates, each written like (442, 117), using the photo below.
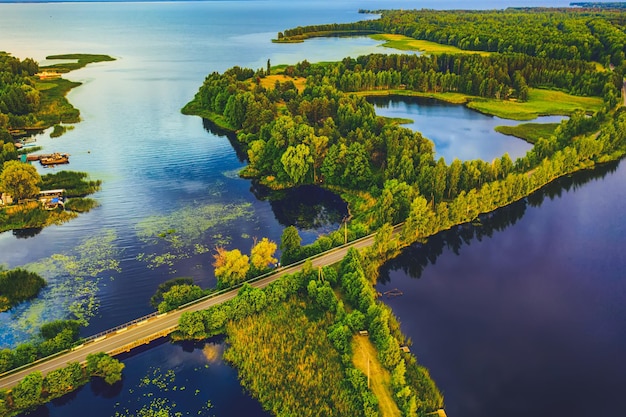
(160, 325)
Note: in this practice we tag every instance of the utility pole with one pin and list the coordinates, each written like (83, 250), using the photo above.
(368, 371)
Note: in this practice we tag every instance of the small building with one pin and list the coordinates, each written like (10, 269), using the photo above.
(5, 199)
(52, 199)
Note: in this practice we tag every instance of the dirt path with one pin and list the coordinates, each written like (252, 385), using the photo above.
(365, 359)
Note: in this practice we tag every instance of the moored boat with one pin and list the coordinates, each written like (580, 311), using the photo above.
(54, 159)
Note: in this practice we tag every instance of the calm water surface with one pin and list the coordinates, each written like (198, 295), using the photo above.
(165, 171)
(524, 314)
(457, 131)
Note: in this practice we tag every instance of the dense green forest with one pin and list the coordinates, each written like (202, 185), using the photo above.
(325, 136)
(586, 34)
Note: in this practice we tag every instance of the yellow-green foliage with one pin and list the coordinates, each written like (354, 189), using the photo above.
(286, 359)
(530, 132)
(405, 43)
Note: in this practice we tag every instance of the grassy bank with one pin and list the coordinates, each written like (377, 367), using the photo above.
(55, 108)
(530, 132)
(540, 103)
(405, 43)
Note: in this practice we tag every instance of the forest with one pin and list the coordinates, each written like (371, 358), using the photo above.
(586, 34)
(324, 135)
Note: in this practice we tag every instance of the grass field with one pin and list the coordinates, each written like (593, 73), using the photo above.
(530, 132)
(405, 43)
(540, 103)
(380, 378)
(269, 81)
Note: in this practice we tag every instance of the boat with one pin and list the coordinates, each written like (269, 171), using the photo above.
(54, 159)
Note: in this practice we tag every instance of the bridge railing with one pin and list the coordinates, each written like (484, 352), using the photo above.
(116, 328)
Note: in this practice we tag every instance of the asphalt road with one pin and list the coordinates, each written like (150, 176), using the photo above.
(147, 329)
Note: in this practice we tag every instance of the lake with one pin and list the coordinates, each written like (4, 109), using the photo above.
(457, 131)
(163, 170)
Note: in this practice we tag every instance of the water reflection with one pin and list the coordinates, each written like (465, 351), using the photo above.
(184, 377)
(308, 207)
(26, 233)
(414, 259)
(214, 129)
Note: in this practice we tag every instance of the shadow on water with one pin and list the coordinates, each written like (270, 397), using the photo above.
(307, 207)
(414, 259)
(26, 233)
(214, 129)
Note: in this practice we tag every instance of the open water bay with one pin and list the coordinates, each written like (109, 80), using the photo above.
(164, 171)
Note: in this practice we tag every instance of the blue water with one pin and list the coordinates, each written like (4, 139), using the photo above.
(164, 170)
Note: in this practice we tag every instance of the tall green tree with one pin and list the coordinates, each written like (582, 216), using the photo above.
(290, 243)
(297, 161)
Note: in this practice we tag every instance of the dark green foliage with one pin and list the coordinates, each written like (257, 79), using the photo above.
(50, 330)
(75, 184)
(105, 367)
(18, 285)
(63, 380)
(27, 393)
(553, 33)
(179, 295)
(81, 61)
(290, 245)
(164, 287)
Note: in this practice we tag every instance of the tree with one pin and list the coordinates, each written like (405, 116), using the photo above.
(19, 180)
(104, 366)
(297, 162)
(64, 380)
(262, 254)
(269, 67)
(27, 393)
(231, 267)
(290, 245)
(178, 295)
(164, 287)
